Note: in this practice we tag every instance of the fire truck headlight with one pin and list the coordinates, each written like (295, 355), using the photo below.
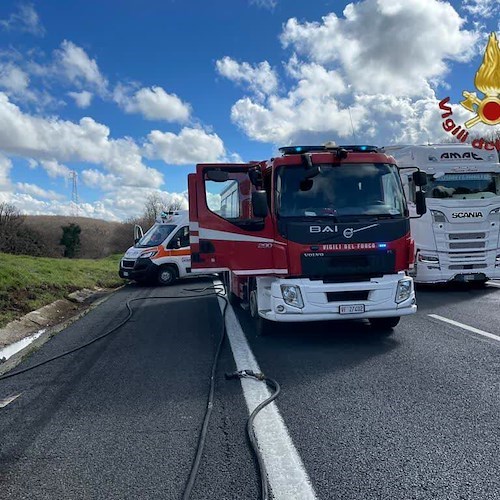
(404, 290)
(148, 255)
(292, 296)
(438, 216)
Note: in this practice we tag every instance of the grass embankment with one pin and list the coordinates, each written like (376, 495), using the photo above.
(27, 283)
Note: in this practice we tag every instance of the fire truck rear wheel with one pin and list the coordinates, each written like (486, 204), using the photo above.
(384, 323)
(167, 275)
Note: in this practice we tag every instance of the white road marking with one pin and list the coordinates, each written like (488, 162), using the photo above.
(465, 327)
(6, 401)
(493, 283)
(286, 473)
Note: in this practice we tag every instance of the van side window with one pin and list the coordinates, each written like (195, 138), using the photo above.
(180, 238)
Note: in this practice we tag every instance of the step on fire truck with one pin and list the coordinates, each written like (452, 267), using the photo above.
(320, 233)
(459, 238)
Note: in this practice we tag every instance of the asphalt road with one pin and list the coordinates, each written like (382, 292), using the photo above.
(413, 415)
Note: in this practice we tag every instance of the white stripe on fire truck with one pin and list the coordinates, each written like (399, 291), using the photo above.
(213, 234)
(194, 226)
(260, 271)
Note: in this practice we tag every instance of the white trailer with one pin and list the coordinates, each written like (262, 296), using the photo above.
(458, 238)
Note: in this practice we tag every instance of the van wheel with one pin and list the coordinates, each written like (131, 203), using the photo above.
(384, 323)
(263, 326)
(167, 275)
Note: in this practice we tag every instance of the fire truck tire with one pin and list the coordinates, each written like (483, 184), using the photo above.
(263, 326)
(384, 323)
(167, 275)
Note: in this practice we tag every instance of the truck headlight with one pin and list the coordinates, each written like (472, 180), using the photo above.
(292, 296)
(404, 290)
(495, 211)
(438, 216)
(148, 255)
(429, 259)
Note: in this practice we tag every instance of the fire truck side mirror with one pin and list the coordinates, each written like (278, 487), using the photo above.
(419, 178)
(259, 204)
(420, 204)
(218, 175)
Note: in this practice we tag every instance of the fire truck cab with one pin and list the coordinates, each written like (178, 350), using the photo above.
(319, 233)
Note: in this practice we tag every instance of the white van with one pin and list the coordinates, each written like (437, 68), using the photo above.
(162, 255)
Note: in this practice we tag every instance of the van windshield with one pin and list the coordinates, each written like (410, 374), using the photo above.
(155, 236)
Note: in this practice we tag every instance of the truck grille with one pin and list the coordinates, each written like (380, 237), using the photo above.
(347, 295)
(467, 236)
(467, 245)
(365, 264)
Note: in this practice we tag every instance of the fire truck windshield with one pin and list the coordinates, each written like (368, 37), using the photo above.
(463, 186)
(348, 189)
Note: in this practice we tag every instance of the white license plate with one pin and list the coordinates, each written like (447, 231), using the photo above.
(125, 273)
(355, 309)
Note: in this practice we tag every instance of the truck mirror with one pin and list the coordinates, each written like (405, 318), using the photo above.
(218, 175)
(420, 203)
(259, 204)
(138, 233)
(419, 178)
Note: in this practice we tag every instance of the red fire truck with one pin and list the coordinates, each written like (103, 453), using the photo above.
(319, 233)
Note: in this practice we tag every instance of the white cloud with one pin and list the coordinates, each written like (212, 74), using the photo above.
(261, 79)
(361, 75)
(34, 190)
(55, 169)
(482, 8)
(13, 78)
(82, 99)
(311, 106)
(25, 19)
(265, 4)
(5, 167)
(191, 145)
(76, 65)
(386, 46)
(153, 104)
(96, 179)
(59, 140)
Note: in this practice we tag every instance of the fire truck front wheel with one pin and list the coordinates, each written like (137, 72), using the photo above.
(384, 324)
(263, 326)
(167, 275)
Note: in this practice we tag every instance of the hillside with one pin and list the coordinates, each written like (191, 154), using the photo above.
(99, 238)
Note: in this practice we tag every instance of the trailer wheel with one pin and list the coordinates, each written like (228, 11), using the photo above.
(384, 324)
(167, 275)
(263, 326)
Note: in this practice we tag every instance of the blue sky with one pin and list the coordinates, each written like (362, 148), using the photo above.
(131, 95)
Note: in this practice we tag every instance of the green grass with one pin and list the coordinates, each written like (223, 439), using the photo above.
(27, 283)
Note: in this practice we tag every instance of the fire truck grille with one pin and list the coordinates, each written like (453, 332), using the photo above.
(346, 296)
(366, 264)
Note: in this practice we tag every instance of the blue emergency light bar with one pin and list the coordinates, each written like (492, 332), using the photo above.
(294, 150)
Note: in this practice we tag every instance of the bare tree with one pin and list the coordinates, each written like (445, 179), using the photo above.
(10, 222)
(153, 207)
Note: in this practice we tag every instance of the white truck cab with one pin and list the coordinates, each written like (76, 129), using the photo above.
(162, 254)
(458, 238)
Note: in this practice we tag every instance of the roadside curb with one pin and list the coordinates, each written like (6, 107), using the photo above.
(50, 330)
